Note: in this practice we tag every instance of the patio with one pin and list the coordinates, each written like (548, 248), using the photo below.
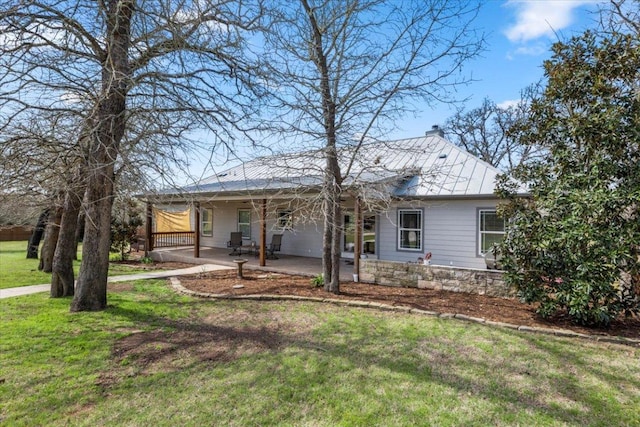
(289, 264)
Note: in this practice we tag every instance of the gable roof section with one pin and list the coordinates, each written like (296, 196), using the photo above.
(427, 166)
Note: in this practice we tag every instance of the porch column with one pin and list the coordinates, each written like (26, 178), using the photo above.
(148, 238)
(357, 249)
(263, 234)
(196, 238)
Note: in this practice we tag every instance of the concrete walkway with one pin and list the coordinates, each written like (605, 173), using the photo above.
(203, 268)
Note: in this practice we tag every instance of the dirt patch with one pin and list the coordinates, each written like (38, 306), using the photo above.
(120, 287)
(178, 344)
(166, 265)
(490, 308)
(134, 260)
(197, 341)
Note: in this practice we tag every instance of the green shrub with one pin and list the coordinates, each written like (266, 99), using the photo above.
(317, 281)
(572, 245)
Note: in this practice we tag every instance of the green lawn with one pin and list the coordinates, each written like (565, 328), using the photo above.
(16, 270)
(157, 358)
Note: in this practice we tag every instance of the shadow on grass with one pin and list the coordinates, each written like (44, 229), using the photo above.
(531, 375)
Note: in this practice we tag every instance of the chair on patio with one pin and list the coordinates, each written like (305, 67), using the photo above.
(274, 246)
(235, 242)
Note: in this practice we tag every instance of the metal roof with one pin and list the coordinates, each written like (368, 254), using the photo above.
(427, 166)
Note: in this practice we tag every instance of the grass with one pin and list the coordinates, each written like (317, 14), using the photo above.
(16, 270)
(156, 358)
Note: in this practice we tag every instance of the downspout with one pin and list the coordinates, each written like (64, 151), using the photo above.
(196, 238)
(263, 234)
(357, 249)
(148, 241)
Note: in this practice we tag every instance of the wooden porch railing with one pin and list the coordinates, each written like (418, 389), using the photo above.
(171, 239)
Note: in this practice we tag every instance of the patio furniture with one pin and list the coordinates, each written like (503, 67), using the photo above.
(274, 246)
(251, 249)
(235, 242)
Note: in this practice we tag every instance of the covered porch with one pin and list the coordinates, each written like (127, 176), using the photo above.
(212, 222)
(288, 264)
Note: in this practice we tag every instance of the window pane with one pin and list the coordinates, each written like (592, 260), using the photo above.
(409, 219)
(244, 223)
(207, 229)
(410, 229)
(410, 239)
(246, 230)
(285, 219)
(491, 230)
(206, 222)
(244, 216)
(489, 239)
(490, 221)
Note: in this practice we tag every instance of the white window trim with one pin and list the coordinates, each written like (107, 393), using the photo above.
(244, 223)
(284, 219)
(420, 229)
(480, 232)
(202, 222)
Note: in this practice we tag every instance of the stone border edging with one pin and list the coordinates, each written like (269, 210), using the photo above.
(177, 286)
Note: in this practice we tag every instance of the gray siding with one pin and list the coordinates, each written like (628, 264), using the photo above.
(304, 239)
(450, 233)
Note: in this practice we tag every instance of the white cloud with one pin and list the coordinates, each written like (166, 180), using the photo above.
(508, 103)
(541, 18)
(533, 50)
(530, 50)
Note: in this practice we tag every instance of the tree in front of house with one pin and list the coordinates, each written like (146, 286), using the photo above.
(344, 71)
(131, 78)
(573, 245)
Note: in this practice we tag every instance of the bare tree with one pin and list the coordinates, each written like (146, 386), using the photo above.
(621, 16)
(38, 157)
(109, 63)
(349, 68)
(484, 132)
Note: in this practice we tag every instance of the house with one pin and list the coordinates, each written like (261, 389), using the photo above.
(418, 197)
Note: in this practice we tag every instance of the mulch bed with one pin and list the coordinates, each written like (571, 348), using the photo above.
(490, 308)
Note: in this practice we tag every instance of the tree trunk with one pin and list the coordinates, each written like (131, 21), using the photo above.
(79, 232)
(36, 236)
(336, 248)
(91, 288)
(327, 233)
(332, 234)
(332, 177)
(63, 277)
(50, 240)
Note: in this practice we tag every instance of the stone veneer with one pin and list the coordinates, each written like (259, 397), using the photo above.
(455, 279)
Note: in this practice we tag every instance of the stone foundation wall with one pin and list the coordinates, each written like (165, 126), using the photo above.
(455, 279)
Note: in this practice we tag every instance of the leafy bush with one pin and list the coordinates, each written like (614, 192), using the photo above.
(573, 245)
(318, 281)
(123, 232)
(569, 260)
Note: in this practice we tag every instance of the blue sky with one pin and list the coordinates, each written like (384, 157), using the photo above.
(519, 37)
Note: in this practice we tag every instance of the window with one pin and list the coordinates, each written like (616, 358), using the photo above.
(369, 234)
(206, 222)
(410, 229)
(491, 230)
(349, 235)
(285, 219)
(244, 223)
